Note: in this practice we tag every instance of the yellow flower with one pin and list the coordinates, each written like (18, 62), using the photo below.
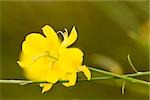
(46, 58)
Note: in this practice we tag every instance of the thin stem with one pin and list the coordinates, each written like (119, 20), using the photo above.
(123, 87)
(128, 75)
(23, 82)
(131, 64)
(133, 80)
(138, 74)
(16, 81)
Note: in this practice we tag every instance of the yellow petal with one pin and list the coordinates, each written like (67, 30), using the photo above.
(70, 59)
(72, 80)
(86, 71)
(34, 45)
(46, 87)
(65, 65)
(53, 75)
(36, 74)
(71, 39)
(24, 58)
(38, 70)
(51, 34)
(21, 64)
(75, 55)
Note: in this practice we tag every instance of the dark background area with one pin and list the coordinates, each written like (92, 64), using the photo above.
(107, 32)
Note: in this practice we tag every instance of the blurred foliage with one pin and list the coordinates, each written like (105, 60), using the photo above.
(106, 63)
(103, 28)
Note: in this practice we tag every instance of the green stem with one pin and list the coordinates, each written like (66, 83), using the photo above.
(16, 81)
(131, 64)
(138, 74)
(63, 81)
(124, 77)
(127, 77)
(24, 82)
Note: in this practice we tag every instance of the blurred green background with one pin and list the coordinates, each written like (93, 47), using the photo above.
(108, 31)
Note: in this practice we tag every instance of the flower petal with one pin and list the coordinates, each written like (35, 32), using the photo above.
(86, 72)
(70, 59)
(72, 80)
(34, 45)
(38, 70)
(51, 34)
(75, 55)
(71, 39)
(46, 87)
(53, 75)
(21, 64)
(65, 64)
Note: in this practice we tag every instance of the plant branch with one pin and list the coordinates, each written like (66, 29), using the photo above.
(111, 75)
(131, 64)
(127, 77)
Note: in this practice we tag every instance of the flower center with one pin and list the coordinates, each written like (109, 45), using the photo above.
(45, 54)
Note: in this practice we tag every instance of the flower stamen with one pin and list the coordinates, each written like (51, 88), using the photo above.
(46, 54)
(64, 34)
